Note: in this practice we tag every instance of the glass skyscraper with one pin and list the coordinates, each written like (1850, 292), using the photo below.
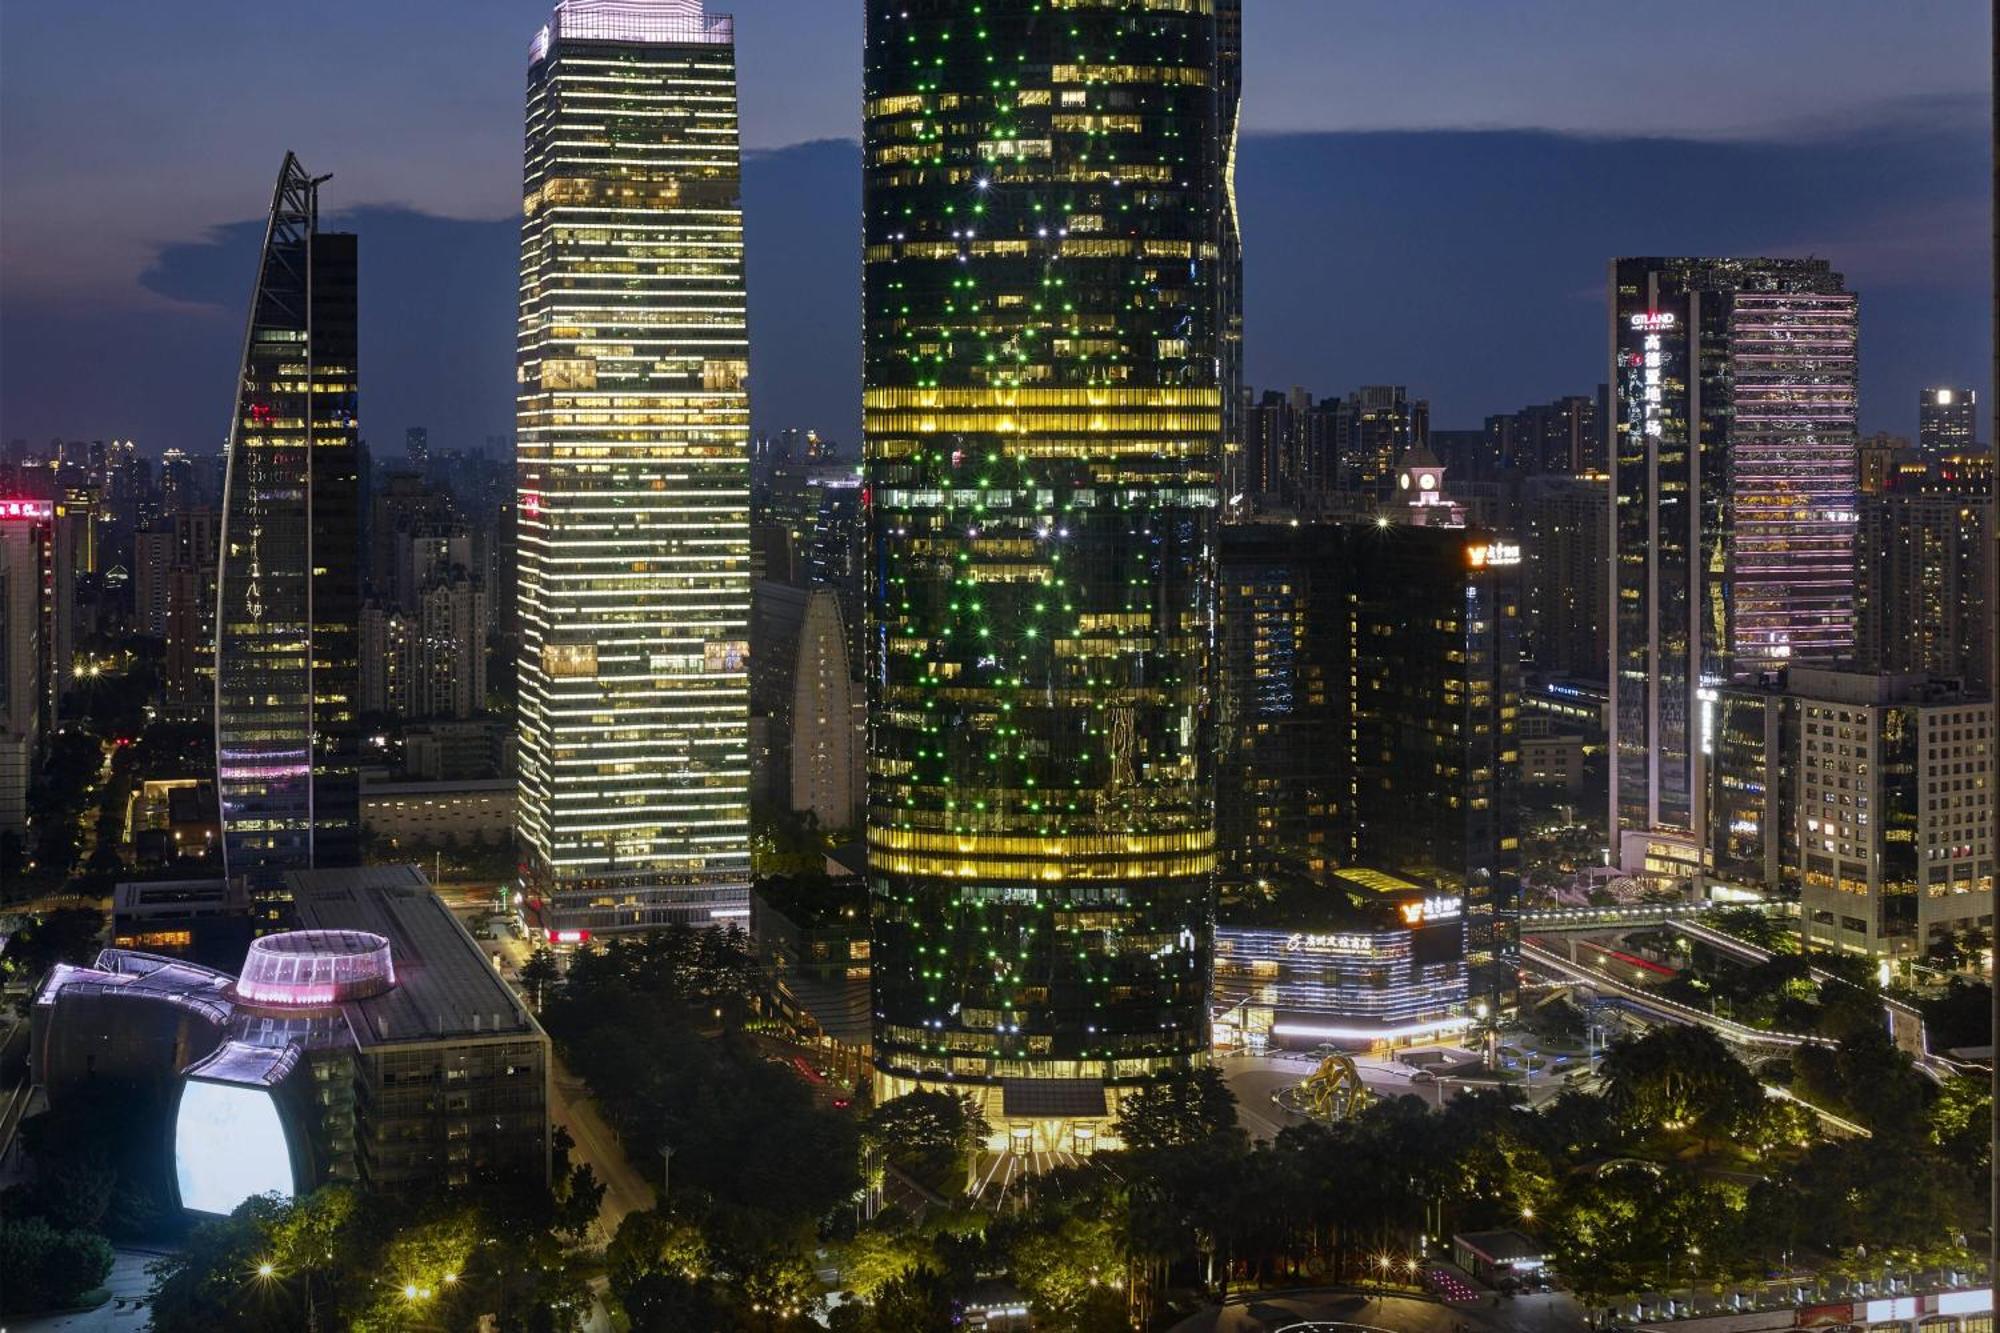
(287, 590)
(1043, 420)
(634, 497)
(1734, 479)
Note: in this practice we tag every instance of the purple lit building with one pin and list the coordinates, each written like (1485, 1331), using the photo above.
(1734, 481)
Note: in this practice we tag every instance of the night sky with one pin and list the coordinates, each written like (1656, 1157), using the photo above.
(1431, 189)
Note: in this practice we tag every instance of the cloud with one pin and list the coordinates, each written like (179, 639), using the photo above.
(1467, 265)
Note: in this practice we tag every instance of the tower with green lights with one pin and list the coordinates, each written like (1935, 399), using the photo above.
(1043, 415)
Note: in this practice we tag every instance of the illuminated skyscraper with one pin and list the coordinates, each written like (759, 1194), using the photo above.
(634, 505)
(1043, 418)
(288, 592)
(1229, 273)
(1947, 421)
(1734, 480)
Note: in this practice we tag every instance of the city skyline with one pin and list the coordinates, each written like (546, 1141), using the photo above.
(1158, 694)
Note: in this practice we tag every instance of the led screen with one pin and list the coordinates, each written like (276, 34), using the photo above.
(228, 1146)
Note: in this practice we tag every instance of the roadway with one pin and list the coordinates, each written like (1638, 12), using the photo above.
(1256, 1080)
(1349, 1309)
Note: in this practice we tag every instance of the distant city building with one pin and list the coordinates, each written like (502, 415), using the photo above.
(1563, 438)
(152, 572)
(808, 712)
(374, 1044)
(1924, 566)
(1734, 484)
(1566, 583)
(417, 445)
(287, 676)
(1375, 427)
(1290, 447)
(412, 816)
(1044, 491)
(1947, 421)
(633, 419)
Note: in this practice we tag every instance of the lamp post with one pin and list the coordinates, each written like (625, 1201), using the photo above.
(666, 1162)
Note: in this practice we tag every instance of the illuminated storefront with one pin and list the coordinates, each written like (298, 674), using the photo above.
(634, 503)
(1368, 960)
(1043, 413)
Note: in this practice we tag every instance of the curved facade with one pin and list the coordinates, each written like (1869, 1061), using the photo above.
(1043, 420)
(287, 677)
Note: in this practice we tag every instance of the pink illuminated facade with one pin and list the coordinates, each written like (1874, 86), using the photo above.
(313, 968)
(1793, 477)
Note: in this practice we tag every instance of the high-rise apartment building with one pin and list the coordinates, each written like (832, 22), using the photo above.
(1733, 482)
(1043, 417)
(1565, 437)
(1922, 582)
(287, 676)
(1377, 425)
(633, 458)
(1281, 641)
(1947, 421)
(1566, 543)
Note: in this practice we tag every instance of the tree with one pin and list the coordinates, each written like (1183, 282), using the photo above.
(45, 1268)
(1679, 1079)
(1184, 1107)
(540, 974)
(666, 1302)
(932, 1136)
(656, 1242)
(65, 935)
(920, 1301)
(1073, 1273)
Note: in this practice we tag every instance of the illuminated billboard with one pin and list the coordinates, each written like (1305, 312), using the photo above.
(229, 1146)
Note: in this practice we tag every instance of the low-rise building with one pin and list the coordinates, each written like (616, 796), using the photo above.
(1363, 959)
(478, 812)
(374, 1044)
(1895, 810)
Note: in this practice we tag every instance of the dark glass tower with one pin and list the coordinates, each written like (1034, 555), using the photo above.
(286, 678)
(1734, 479)
(1043, 417)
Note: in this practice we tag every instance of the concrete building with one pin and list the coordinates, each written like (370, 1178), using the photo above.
(1894, 810)
(463, 812)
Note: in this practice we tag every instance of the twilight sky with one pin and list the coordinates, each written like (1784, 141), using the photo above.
(1431, 192)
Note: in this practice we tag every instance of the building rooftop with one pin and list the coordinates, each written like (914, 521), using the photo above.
(446, 987)
(1501, 1247)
